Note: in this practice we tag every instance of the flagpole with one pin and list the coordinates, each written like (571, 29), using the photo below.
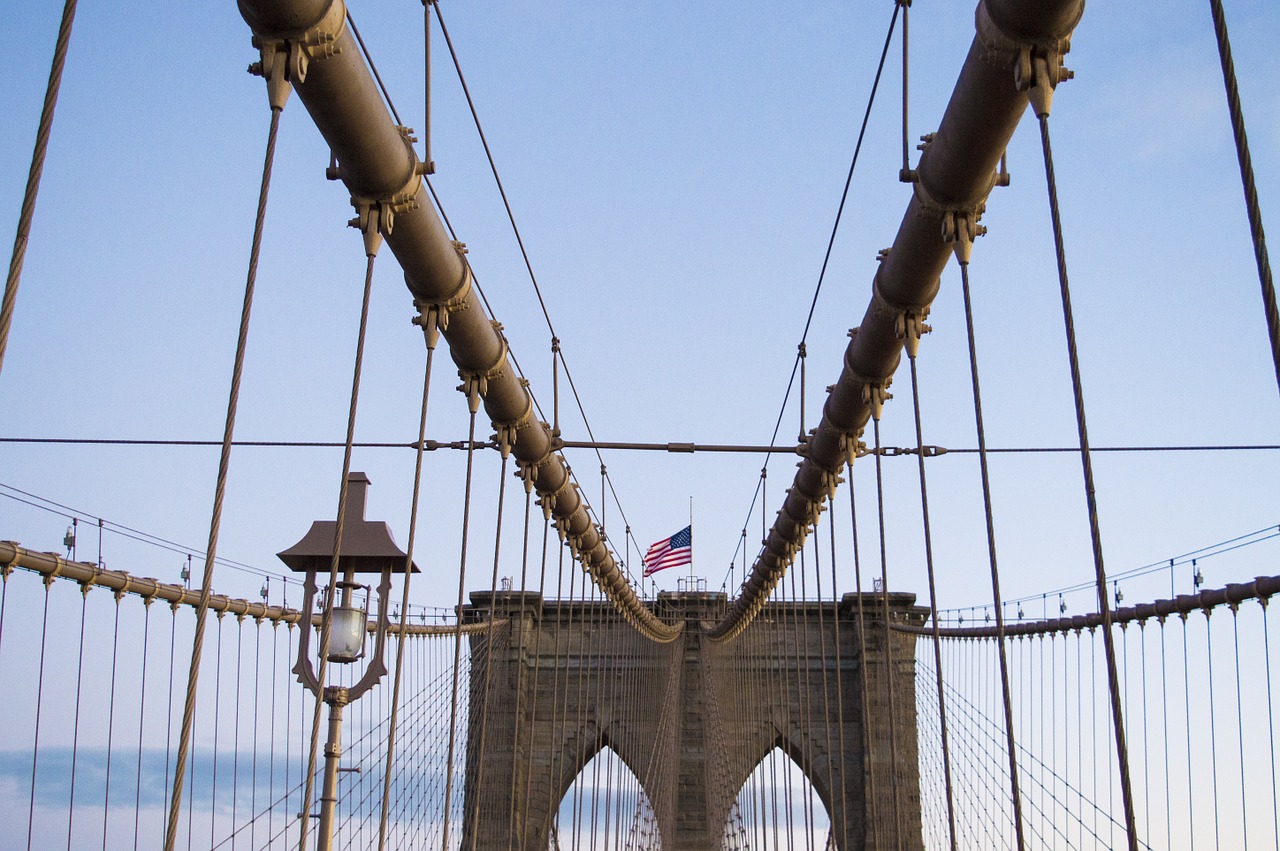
(692, 582)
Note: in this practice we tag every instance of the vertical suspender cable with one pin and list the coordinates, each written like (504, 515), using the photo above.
(33, 176)
(842, 789)
(75, 726)
(867, 740)
(1086, 461)
(1014, 790)
(933, 598)
(429, 330)
(142, 709)
(905, 174)
(514, 787)
(217, 708)
(479, 755)
(206, 587)
(473, 401)
(888, 639)
(235, 726)
(1244, 799)
(35, 742)
(323, 654)
(1252, 207)
(111, 719)
(1213, 730)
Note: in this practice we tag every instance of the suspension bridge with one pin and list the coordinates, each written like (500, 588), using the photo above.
(501, 672)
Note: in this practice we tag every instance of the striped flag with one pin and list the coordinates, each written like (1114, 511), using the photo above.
(670, 552)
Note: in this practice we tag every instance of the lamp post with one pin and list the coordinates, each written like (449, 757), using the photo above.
(367, 547)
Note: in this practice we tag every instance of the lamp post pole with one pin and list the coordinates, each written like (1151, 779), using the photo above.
(365, 547)
(337, 698)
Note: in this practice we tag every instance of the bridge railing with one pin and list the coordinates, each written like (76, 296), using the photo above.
(94, 662)
(1196, 687)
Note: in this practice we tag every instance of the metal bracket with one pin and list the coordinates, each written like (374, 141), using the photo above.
(285, 61)
(475, 384)
(960, 228)
(1004, 50)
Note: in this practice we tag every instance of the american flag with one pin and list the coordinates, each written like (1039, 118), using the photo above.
(670, 552)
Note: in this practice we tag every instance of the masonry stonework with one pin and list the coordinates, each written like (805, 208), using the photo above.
(559, 681)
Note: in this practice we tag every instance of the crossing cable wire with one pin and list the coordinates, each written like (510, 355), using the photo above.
(1014, 791)
(1086, 461)
(912, 346)
(831, 241)
(431, 337)
(27, 213)
(1249, 539)
(502, 191)
(224, 461)
(339, 526)
(1252, 206)
(515, 229)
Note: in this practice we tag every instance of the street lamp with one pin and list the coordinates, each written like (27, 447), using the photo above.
(366, 548)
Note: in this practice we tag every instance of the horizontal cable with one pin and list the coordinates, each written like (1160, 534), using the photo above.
(675, 447)
(1257, 536)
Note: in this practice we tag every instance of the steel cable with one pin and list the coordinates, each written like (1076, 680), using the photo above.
(457, 643)
(1015, 792)
(408, 572)
(339, 528)
(27, 213)
(1095, 534)
(206, 588)
(831, 240)
(1252, 207)
(888, 640)
(928, 560)
(75, 724)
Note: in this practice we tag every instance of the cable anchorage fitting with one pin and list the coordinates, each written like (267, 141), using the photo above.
(285, 60)
(1025, 58)
(428, 319)
(475, 383)
(454, 303)
(959, 229)
(908, 320)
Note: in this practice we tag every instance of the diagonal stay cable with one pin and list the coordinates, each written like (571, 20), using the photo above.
(515, 228)
(826, 259)
(14, 278)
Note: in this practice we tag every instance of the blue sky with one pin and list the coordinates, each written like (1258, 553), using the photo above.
(674, 169)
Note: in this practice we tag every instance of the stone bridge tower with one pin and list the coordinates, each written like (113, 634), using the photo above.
(693, 718)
